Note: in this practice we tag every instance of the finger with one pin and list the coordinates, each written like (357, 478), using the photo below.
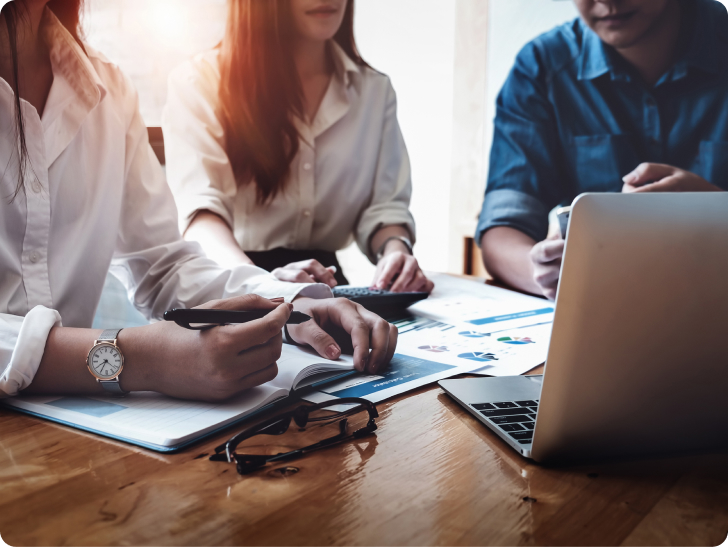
(392, 347)
(391, 268)
(430, 286)
(646, 173)
(257, 378)
(547, 251)
(407, 275)
(348, 316)
(233, 339)
(256, 358)
(379, 342)
(547, 276)
(668, 184)
(292, 276)
(312, 334)
(316, 270)
(244, 302)
(418, 284)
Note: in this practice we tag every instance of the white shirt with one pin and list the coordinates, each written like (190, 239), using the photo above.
(95, 192)
(350, 176)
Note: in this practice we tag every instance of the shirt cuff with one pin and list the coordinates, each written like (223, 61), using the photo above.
(514, 209)
(28, 352)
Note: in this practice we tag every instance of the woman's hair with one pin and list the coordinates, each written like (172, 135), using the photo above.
(260, 91)
(15, 14)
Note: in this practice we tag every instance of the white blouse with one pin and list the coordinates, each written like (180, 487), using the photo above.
(94, 192)
(351, 174)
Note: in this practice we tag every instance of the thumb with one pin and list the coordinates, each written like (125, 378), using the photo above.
(312, 334)
(646, 173)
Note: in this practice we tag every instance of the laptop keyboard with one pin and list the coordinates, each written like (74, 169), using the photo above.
(516, 418)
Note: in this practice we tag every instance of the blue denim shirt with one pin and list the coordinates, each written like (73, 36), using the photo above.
(574, 117)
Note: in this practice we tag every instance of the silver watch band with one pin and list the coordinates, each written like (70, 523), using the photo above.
(112, 386)
(109, 334)
(406, 241)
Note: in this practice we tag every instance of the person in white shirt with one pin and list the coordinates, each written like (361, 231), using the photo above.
(80, 187)
(283, 145)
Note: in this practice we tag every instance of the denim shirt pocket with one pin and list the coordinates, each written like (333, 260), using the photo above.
(600, 162)
(713, 162)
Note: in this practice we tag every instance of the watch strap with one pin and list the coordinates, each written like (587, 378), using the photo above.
(112, 385)
(380, 251)
(109, 334)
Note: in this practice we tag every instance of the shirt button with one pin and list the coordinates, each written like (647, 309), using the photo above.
(34, 257)
(307, 213)
(307, 166)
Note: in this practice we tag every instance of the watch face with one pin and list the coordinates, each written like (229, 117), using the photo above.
(105, 361)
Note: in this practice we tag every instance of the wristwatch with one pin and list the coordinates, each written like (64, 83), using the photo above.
(105, 361)
(380, 251)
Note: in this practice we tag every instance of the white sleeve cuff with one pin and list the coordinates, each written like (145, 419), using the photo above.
(28, 351)
(267, 286)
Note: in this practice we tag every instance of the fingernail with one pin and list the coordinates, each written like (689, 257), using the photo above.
(277, 300)
(332, 352)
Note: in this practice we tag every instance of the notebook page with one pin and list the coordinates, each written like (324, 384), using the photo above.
(147, 416)
(297, 363)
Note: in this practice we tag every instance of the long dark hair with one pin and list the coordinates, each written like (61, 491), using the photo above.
(14, 13)
(260, 91)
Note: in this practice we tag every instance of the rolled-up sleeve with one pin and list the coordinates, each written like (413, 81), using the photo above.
(22, 343)
(161, 270)
(392, 184)
(526, 173)
(198, 170)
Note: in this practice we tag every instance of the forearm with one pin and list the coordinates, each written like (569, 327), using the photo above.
(384, 233)
(506, 257)
(217, 239)
(63, 367)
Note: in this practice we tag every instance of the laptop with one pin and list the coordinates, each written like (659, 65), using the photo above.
(638, 358)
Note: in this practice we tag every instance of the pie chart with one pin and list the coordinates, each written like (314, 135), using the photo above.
(516, 340)
(478, 356)
(473, 334)
(434, 349)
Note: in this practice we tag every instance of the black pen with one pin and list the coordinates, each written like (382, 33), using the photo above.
(197, 319)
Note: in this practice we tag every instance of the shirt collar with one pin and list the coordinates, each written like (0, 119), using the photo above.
(345, 69)
(594, 60)
(71, 62)
(76, 91)
(706, 50)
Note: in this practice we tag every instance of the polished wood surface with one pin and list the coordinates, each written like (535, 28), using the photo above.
(432, 475)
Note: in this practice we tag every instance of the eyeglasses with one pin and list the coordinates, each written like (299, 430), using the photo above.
(324, 420)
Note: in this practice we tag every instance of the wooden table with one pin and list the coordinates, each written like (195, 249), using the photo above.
(432, 475)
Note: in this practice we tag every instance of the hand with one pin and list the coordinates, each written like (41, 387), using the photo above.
(546, 261)
(402, 271)
(657, 177)
(366, 330)
(306, 271)
(213, 364)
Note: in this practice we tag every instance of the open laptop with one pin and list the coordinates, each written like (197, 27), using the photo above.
(638, 359)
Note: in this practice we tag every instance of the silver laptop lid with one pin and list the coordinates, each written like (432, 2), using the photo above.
(638, 360)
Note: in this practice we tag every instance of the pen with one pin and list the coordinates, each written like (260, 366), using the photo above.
(197, 319)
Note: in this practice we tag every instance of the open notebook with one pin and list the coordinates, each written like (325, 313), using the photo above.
(165, 424)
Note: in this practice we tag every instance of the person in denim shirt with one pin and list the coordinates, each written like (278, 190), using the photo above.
(631, 97)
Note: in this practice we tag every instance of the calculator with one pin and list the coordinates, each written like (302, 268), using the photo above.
(384, 303)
